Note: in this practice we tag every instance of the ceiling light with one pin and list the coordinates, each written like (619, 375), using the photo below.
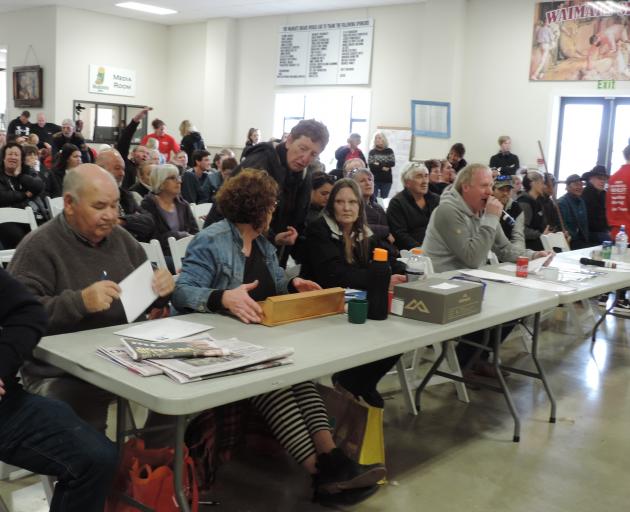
(136, 6)
(3, 50)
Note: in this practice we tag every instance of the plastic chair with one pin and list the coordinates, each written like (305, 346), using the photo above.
(154, 253)
(178, 250)
(406, 374)
(18, 216)
(199, 212)
(55, 205)
(555, 242)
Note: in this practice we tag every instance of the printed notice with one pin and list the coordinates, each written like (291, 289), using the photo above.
(325, 53)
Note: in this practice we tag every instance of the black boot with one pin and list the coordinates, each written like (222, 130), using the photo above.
(337, 472)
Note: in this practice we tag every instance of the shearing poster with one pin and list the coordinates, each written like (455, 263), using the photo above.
(579, 40)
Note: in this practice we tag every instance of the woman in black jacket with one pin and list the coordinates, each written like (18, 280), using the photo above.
(338, 251)
(171, 213)
(191, 139)
(68, 158)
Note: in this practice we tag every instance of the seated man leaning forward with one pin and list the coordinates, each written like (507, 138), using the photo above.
(228, 267)
(72, 264)
(461, 232)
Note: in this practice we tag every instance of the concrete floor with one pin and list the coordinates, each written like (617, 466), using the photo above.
(456, 456)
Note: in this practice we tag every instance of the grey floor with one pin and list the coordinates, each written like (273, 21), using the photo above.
(456, 456)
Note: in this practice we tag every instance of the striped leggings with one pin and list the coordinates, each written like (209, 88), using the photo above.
(294, 414)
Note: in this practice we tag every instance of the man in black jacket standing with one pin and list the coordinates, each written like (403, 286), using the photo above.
(594, 196)
(40, 434)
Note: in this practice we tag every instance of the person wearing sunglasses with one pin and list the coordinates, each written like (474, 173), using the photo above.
(512, 221)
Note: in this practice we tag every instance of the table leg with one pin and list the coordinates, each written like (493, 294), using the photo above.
(541, 373)
(496, 343)
(178, 464)
(601, 319)
(121, 423)
(430, 373)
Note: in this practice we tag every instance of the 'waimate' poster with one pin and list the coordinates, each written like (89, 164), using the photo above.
(579, 40)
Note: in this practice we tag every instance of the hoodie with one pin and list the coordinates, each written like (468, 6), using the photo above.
(456, 238)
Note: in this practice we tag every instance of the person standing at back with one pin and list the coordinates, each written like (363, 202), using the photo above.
(505, 160)
(349, 151)
(594, 196)
(381, 160)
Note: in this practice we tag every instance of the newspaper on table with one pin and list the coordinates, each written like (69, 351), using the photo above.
(120, 356)
(202, 345)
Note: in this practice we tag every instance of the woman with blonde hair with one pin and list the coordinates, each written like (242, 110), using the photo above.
(381, 160)
(191, 138)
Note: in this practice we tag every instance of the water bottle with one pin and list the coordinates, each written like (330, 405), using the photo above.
(621, 241)
(416, 266)
(378, 287)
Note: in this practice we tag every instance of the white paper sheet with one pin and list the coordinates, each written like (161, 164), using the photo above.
(519, 281)
(164, 329)
(136, 291)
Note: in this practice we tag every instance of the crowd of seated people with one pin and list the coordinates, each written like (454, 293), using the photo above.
(268, 207)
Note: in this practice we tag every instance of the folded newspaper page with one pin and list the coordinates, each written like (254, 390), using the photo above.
(194, 346)
(120, 356)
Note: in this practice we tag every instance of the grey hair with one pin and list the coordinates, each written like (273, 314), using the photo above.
(411, 170)
(465, 176)
(355, 173)
(347, 163)
(101, 157)
(76, 179)
(383, 136)
(159, 175)
(68, 121)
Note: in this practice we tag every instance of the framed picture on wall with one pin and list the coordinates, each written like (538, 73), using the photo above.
(28, 86)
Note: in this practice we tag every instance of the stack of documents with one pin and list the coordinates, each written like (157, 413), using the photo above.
(156, 348)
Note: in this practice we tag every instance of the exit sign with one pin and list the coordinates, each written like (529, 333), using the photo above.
(605, 84)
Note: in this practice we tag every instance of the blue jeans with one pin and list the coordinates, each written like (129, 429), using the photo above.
(46, 437)
(381, 189)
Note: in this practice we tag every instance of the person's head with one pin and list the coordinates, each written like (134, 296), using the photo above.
(253, 136)
(159, 127)
(448, 173)
(152, 143)
(474, 183)
(140, 154)
(415, 178)
(502, 188)
(144, 173)
(597, 177)
(574, 184)
(78, 125)
(365, 179)
(322, 184)
(354, 140)
(67, 127)
(306, 141)
(180, 159)
(517, 184)
(456, 153)
(351, 165)
(154, 156)
(25, 116)
(227, 166)
(201, 160)
(90, 201)
(33, 139)
(31, 155)
(68, 158)
(113, 163)
(380, 141)
(249, 198)
(549, 184)
(41, 119)
(11, 157)
(534, 183)
(626, 152)
(185, 127)
(165, 180)
(435, 170)
(505, 144)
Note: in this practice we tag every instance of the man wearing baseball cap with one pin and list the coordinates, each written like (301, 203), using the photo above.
(573, 211)
(513, 220)
(19, 127)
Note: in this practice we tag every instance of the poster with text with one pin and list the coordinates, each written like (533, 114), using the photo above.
(580, 40)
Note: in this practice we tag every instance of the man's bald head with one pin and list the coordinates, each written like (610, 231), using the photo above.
(110, 160)
(84, 177)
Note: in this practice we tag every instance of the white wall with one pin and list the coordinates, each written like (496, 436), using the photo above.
(18, 31)
(85, 38)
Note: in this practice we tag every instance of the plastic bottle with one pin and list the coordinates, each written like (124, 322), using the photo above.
(380, 274)
(621, 241)
(417, 267)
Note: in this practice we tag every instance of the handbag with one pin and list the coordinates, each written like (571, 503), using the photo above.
(147, 476)
(357, 427)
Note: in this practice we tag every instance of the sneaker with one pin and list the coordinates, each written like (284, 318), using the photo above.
(602, 300)
(622, 308)
(337, 473)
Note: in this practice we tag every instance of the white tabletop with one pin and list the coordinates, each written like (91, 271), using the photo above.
(322, 346)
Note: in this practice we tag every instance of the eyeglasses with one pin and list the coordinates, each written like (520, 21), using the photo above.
(178, 178)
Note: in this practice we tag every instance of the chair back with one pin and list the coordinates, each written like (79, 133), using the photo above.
(555, 242)
(154, 253)
(199, 212)
(55, 205)
(178, 250)
(19, 216)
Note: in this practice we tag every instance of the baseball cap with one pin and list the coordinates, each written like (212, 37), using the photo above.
(573, 178)
(503, 180)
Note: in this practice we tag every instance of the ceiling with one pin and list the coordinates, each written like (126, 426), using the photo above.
(196, 10)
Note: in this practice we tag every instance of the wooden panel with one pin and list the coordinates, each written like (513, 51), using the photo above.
(293, 307)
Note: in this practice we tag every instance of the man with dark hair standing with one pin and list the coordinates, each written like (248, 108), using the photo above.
(40, 434)
(20, 126)
(196, 187)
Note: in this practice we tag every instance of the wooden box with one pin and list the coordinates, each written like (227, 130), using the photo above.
(283, 309)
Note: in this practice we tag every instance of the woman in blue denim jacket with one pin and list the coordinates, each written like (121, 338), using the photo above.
(230, 266)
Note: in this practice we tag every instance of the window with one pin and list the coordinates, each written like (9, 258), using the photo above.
(342, 113)
(102, 122)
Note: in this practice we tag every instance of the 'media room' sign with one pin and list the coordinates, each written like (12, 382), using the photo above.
(108, 80)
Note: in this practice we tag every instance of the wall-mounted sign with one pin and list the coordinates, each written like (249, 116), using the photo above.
(605, 84)
(325, 53)
(108, 80)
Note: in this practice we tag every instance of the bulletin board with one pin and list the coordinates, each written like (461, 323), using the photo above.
(400, 141)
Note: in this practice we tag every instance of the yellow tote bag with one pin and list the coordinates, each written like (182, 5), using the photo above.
(373, 447)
